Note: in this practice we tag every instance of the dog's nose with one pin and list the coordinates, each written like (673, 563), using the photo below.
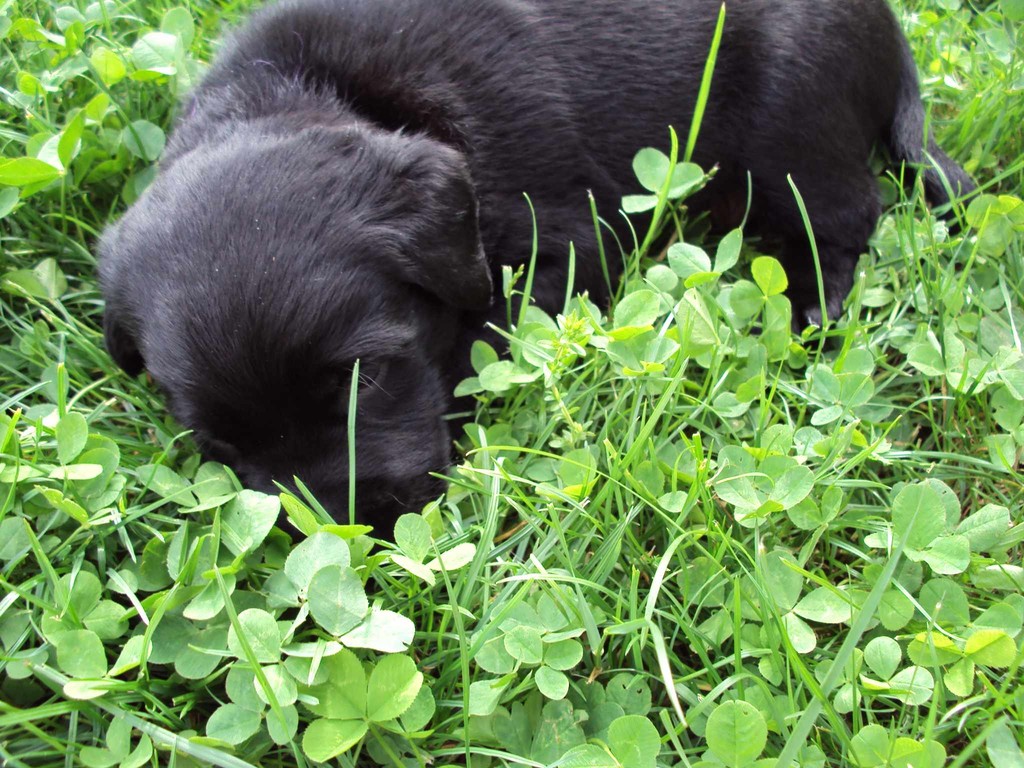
(256, 479)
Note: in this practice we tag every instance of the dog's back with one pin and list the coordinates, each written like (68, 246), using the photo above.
(485, 73)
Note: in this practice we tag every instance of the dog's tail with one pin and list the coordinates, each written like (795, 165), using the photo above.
(911, 142)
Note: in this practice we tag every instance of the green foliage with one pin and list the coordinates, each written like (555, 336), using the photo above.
(680, 534)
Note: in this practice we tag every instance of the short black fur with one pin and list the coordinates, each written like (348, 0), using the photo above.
(349, 178)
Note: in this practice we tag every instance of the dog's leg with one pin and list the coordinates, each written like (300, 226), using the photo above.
(843, 205)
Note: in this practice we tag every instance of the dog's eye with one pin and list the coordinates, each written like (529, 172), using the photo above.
(371, 373)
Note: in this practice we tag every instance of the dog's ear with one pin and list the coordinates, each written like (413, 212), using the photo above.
(121, 344)
(438, 227)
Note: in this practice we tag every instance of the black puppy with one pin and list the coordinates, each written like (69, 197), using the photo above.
(348, 179)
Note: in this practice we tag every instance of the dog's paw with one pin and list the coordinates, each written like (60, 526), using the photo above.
(808, 312)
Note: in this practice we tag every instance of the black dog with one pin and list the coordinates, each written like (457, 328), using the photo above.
(348, 180)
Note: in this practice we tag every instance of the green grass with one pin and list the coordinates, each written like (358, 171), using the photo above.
(680, 535)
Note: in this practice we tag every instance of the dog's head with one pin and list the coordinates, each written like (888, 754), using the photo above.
(255, 271)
